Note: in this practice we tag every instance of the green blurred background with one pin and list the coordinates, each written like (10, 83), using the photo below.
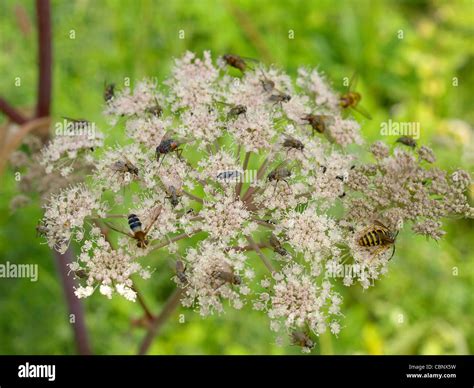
(418, 308)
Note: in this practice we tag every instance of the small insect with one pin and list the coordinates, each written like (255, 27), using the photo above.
(276, 245)
(138, 233)
(279, 174)
(180, 272)
(235, 61)
(318, 122)
(280, 97)
(80, 273)
(109, 92)
(407, 140)
(155, 110)
(378, 235)
(229, 176)
(291, 142)
(300, 338)
(124, 166)
(41, 229)
(228, 277)
(174, 195)
(167, 146)
(351, 99)
(237, 110)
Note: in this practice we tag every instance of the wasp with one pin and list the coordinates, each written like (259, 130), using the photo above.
(276, 245)
(155, 110)
(109, 92)
(291, 142)
(380, 236)
(138, 233)
(300, 338)
(180, 268)
(318, 122)
(351, 99)
(279, 174)
(167, 146)
(174, 195)
(407, 140)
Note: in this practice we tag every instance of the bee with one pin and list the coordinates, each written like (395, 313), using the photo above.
(124, 166)
(351, 99)
(167, 146)
(138, 233)
(279, 174)
(155, 110)
(300, 338)
(407, 140)
(276, 245)
(109, 92)
(317, 122)
(180, 268)
(235, 61)
(378, 235)
(174, 195)
(291, 142)
(229, 176)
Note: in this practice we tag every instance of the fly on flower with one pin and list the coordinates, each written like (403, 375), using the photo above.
(125, 167)
(109, 92)
(237, 61)
(280, 173)
(277, 96)
(351, 98)
(318, 122)
(407, 140)
(166, 146)
(138, 233)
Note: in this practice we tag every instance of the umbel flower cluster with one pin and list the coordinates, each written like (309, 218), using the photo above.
(263, 175)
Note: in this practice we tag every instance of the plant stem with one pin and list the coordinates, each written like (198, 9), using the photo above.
(74, 304)
(238, 188)
(192, 196)
(265, 260)
(156, 324)
(173, 239)
(11, 112)
(43, 13)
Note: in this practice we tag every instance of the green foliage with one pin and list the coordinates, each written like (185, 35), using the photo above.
(420, 307)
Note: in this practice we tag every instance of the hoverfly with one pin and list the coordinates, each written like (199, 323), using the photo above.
(276, 245)
(173, 195)
(292, 143)
(407, 140)
(237, 61)
(124, 166)
(302, 339)
(280, 173)
(351, 99)
(318, 122)
(155, 109)
(378, 235)
(138, 233)
(109, 92)
(277, 96)
(180, 269)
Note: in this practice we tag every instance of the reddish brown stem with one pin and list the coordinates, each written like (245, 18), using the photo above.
(171, 304)
(43, 14)
(74, 304)
(11, 112)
